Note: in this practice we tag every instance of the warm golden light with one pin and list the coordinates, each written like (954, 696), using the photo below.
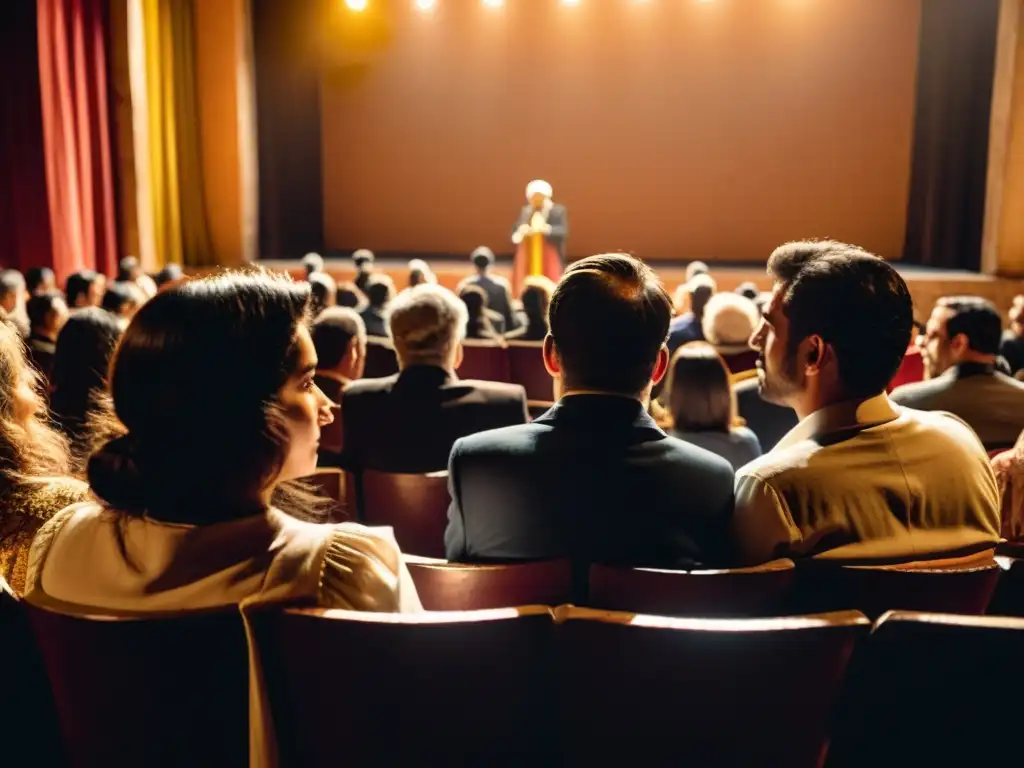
(494, 3)
(357, 5)
(571, 2)
(426, 5)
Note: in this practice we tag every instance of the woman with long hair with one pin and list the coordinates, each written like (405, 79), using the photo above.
(34, 484)
(479, 325)
(536, 297)
(702, 405)
(212, 385)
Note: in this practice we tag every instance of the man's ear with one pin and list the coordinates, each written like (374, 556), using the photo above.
(458, 356)
(959, 344)
(660, 366)
(551, 361)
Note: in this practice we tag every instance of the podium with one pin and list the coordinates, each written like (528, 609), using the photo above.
(535, 256)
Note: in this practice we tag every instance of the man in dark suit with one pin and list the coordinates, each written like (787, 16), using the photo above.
(594, 478)
(408, 422)
(363, 260)
(379, 290)
(960, 349)
(339, 337)
(497, 288)
(770, 422)
(538, 200)
(47, 314)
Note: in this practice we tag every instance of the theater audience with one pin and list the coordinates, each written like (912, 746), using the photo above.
(687, 327)
(379, 291)
(349, 296)
(480, 322)
(213, 386)
(960, 349)
(313, 263)
(695, 268)
(40, 280)
(169, 276)
(768, 421)
(130, 272)
(33, 461)
(85, 288)
(1011, 346)
(323, 293)
(728, 323)
(594, 478)
(47, 314)
(363, 260)
(13, 296)
(122, 300)
(748, 290)
(497, 288)
(1009, 469)
(703, 407)
(536, 297)
(408, 422)
(420, 272)
(339, 338)
(79, 378)
(859, 477)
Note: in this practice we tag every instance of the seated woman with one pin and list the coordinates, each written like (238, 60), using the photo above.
(481, 321)
(33, 461)
(536, 296)
(703, 407)
(213, 386)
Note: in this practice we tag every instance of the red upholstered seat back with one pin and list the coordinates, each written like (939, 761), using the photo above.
(484, 360)
(458, 587)
(526, 367)
(416, 506)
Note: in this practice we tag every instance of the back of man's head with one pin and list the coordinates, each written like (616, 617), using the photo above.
(332, 332)
(169, 274)
(11, 282)
(482, 258)
(379, 290)
(323, 292)
(40, 306)
(609, 317)
(78, 284)
(977, 319)
(856, 302)
(363, 259)
(700, 288)
(313, 263)
(695, 268)
(127, 269)
(36, 277)
(426, 324)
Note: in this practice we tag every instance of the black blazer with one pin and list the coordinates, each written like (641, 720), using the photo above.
(375, 324)
(499, 297)
(557, 218)
(770, 422)
(408, 422)
(593, 479)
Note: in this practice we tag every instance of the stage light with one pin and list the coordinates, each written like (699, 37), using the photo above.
(357, 5)
(571, 2)
(426, 5)
(494, 3)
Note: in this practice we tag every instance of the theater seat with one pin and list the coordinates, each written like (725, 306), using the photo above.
(457, 587)
(486, 360)
(416, 506)
(331, 483)
(448, 689)
(742, 592)
(154, 691)
(526, 367)
(932, 690)
(650, 690)
(381, 359)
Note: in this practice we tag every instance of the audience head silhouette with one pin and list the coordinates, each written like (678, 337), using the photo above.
(323, 292)
(961, 329)
(84, 289)
(121, 299)
(836, 328)
(363, 259)
(695, 294)
(478, 324)
(12, 291)
(729, 320)
(536, 297)
(339, 337)
(420, 272)
(700, 397)
(213, 383)
(609, 318)
(427, 324)
(128, 270)
(482, 258)
(348, 295)
(313, 263)
(47, 313)
(379, 291)
(40, 280)
(169, 275)
(695, 268)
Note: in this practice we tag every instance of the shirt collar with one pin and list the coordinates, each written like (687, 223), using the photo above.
(848, 414)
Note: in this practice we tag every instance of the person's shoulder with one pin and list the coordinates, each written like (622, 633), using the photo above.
(685, 454)
(502, 439)
(495, 390)
(744, 435)
(369, 386)
(55, 493)
(1008, 382)
(919, 391)
(942, 425)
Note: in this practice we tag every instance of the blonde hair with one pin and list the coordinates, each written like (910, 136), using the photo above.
(729, 320)
(425, 323)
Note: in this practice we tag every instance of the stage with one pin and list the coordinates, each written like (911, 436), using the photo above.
(926, 284)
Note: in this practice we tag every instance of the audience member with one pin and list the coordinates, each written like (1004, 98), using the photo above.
(480, 322)
(728, 323)
(129, 271)
(213, 387)
(497, 288)
(47, 314)
(749, 290)
(420, 272)
(33, 462)
(858, 477)
(13, 296)
(79, 380)
(687, 326)
(85, 288)
(408, 422)
(40, 280)
(363, 260)
(313, 263)
(349, 296)
(1009, 470)
(703, 406)
(594, 478)
(960, 350)
(1011, 347)
(695, 268)
(122, 300)
(339, 337)
(379, 292)
(536, 298)
(323, 293)
(169, 276)
(769, 421)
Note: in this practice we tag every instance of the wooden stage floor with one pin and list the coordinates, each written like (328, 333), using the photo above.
(926, 285)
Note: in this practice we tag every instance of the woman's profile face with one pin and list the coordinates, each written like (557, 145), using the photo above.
(306, 410)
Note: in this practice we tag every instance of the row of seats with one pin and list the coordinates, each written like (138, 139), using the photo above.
(520, 686)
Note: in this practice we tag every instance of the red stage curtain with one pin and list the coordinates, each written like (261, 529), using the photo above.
(72, 37)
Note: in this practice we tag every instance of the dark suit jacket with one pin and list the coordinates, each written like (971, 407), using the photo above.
(375, 324)
(558, 218)
(990, 402)
(499, 296)
(768, 421)
(41, 352)
(593, 479)
(408, 422)
(683, 330)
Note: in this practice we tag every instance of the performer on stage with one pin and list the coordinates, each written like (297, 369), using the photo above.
(539, 235)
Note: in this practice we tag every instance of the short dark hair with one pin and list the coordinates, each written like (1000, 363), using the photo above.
(11, 281)
(699, 394)
(118, 295)
(125, 267)
(323, 292)
(349, 295)
(609, 317)
(482, 258)
(379, 290)
(362, 257)
(855, 301)
(168, 274)
(313, 263)
(332, 332)
(40, 306)
(79, 283)
(977, 319)
(36, 276)
(749, 290)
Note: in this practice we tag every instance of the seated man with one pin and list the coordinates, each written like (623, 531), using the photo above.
(688, 326)
(497, 288)
(858, 478)
(47, 314)
(594, 478)
(340, 339)
(960, 350)
(408, 422)
(379, 291)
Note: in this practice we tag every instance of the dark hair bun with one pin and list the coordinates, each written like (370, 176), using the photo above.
(114, 475)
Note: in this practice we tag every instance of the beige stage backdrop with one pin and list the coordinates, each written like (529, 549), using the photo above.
(670, 128)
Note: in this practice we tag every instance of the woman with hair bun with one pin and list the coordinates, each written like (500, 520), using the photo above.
(213, 387)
